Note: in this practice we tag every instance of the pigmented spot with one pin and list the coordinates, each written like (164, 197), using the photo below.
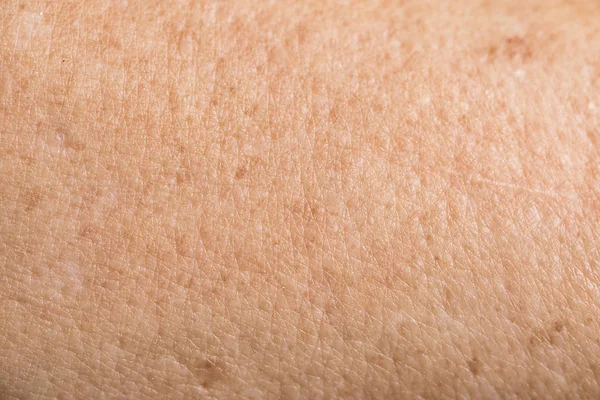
(69, 142)
(550, 335)
(183, 244)
(475, 365)
(241, 172)
(183, 177)
(516, 48)
(208, 371)
(33, 200)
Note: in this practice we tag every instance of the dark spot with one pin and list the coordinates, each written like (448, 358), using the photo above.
(334, 114)
(182, 177)
(492, 51)
(241, 172)
(183, 245)
(73, 144)
(436, 258)
(517, 46)
(208, 372)
(250, 111)
(87, 231)
(558, 326)
(550, 335)
(475, 365)
(34, 198)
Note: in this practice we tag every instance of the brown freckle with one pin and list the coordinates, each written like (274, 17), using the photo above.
(250, 111)
(558, 326)
(474, 365)
(183, 245)
(516, 46)
(73, 144)
(182, 176)
(334, 114)
(208, 372)
(34, 198)
(241, 172)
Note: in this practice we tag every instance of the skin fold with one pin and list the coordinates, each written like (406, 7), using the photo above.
(299, 199)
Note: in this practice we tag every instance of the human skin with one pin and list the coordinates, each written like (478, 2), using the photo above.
(299, 199)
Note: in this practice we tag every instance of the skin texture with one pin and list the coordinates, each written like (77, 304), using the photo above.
(299, 199)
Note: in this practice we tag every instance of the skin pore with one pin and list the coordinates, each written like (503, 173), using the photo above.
(299, 199)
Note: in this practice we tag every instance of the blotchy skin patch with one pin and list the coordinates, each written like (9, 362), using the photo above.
(304, 199)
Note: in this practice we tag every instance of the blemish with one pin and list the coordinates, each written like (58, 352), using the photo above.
(34, 198)
(241, 172)
(474, 365)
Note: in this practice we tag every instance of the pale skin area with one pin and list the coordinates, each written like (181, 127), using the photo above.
(299, 199)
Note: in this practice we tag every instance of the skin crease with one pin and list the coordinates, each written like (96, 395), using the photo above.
(342, 199)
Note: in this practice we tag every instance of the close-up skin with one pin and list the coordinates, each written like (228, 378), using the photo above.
(352, 199)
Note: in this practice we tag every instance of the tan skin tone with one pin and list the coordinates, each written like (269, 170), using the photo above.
(361, 199)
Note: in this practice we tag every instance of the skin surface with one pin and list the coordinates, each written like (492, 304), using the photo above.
(299, 199)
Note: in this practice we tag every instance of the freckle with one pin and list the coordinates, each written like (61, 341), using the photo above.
(33, 200)
(474, 365)
(558, 326)
(241, 172)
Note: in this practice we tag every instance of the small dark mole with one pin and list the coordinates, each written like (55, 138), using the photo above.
(436, 258)
(64, 60)
(474, 365)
